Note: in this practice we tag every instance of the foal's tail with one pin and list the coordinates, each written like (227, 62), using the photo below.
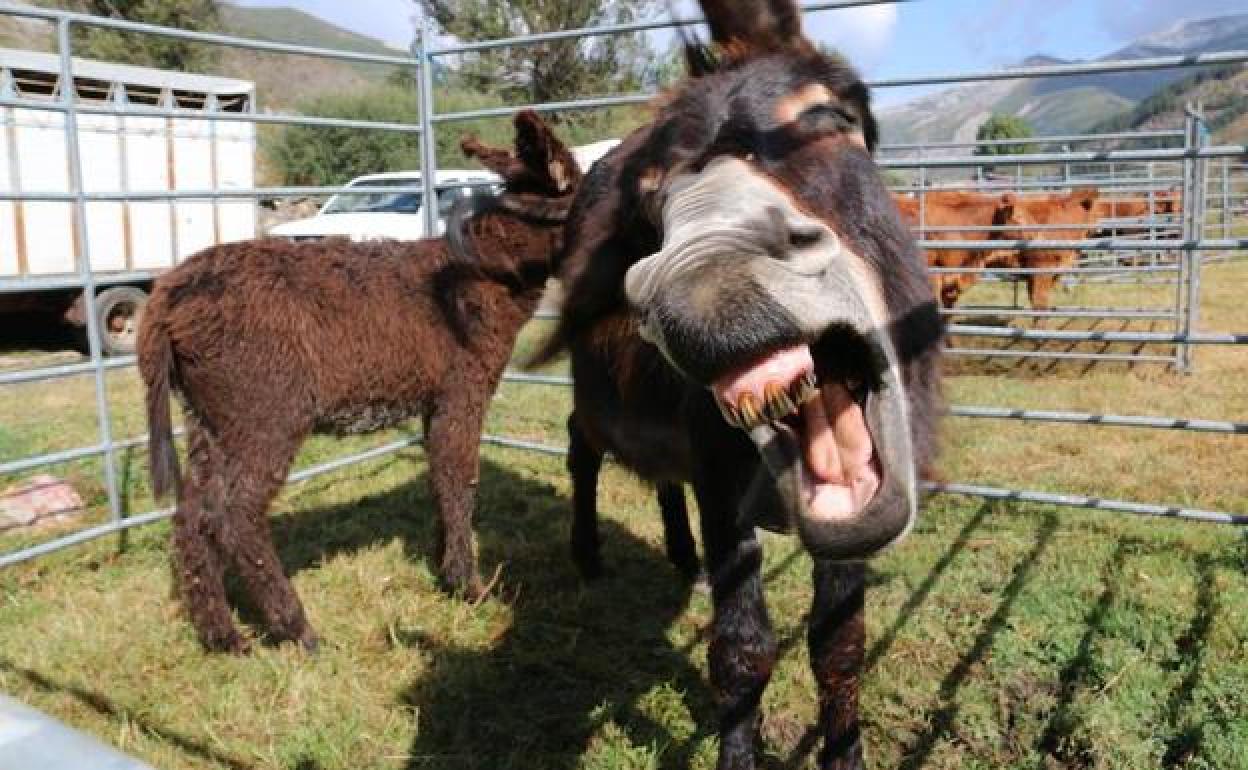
(155, 352)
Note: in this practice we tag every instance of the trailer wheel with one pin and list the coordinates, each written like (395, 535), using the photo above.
(117, 313)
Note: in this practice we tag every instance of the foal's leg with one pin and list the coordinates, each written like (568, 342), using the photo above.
(452, 444)
(197, 564)
(256, 476)
(836, 638)
(681, 550)
(584, 462)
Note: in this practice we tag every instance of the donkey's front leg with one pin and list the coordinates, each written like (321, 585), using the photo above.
(836, 638)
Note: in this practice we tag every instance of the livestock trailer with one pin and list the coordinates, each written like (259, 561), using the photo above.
(127, 162)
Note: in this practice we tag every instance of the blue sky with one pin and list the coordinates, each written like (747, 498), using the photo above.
(921, 37)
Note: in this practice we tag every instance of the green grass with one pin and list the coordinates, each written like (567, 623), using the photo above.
(999, 635)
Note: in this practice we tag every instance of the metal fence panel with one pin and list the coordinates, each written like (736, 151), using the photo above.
(1149, 172)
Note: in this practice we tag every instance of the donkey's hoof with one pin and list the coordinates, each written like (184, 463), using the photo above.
(232, 643)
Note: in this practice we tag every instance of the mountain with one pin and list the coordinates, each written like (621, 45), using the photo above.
(1064, 105)
(283, 81)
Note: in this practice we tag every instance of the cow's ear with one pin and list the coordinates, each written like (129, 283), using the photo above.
(1007, 204)
(762, 25)
(1087, 197)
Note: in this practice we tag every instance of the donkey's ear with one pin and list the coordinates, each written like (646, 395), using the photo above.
(766, 25)
(496, 159)
(545, 158)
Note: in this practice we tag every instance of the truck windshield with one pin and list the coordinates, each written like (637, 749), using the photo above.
(404, 202)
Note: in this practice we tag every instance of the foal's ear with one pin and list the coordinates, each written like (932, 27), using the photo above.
(496, 159)
(766, 25)
(548, 162)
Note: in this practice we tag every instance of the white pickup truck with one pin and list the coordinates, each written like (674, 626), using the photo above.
(401, 215)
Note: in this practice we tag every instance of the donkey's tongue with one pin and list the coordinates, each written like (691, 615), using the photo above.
(841, 473)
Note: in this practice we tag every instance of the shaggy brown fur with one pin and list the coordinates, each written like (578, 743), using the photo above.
(268, 341)
(758, 98)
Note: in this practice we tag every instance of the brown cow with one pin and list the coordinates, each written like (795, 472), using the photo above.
(1076, 209)
(949, 208)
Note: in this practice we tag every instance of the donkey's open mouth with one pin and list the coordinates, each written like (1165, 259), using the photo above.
(771, 310)
(822, 421)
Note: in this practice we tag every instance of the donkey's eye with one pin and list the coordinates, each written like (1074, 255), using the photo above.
(833, 111)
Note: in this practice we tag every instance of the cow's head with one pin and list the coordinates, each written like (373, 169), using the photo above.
(769, 265)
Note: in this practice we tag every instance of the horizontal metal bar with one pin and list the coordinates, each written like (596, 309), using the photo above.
(52, 458)
(1116, 244)
(1166, 223)
(1062, 70)
(1073, 270)
(535, 379)
(236, 117)
(1152, 338)
(1125, 185)
(1111, 420)
(1067, 139)
(1081, 501)
(1012, 312)
(515, 443)
(211, 38)
(342, 462)
(1050, 158)
(243, 117)
(56, 282)
(622, 100)
(64, 370)
(623, 29)
(83, 536)
(1119, 358)
(243, 192)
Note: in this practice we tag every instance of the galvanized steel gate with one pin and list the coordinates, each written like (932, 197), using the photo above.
(1226, 187)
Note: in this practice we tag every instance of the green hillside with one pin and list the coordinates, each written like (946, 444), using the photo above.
(289, 25)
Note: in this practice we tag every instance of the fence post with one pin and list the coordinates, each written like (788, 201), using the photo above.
(1193, 229)
(1226, 198)
(428, 142)
(79, 205)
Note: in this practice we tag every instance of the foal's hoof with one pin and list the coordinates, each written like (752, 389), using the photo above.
(310, 642)
(232, 643)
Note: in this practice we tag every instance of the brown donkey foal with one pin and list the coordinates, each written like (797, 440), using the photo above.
(268, 341)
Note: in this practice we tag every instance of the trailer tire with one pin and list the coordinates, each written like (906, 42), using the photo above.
(117, 314)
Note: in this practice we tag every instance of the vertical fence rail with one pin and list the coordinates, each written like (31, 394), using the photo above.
(1192, 243)
(64, 38)
(428, 141)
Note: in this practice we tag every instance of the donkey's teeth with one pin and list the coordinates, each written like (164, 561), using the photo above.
(804, 389)
(748, 407)
(778, 403)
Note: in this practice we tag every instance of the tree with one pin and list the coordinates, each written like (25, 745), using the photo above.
(554, 71)
(149, 50)
(316, 155)
(1003, 127)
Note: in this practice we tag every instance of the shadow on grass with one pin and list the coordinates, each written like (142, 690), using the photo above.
(574, 658)
(941, 723)
(120, 714)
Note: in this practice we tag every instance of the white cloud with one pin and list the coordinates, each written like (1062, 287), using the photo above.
(863, 35)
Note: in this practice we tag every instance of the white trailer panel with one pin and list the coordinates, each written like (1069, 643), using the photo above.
(121, 155)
